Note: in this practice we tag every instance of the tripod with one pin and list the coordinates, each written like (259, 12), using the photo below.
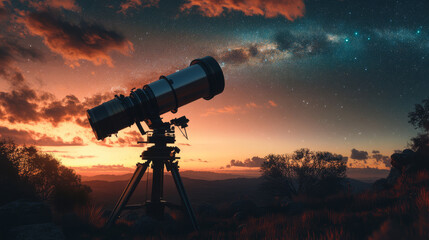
(159, 155)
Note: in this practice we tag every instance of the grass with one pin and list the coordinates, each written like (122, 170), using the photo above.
(398, 213)
(401, 212)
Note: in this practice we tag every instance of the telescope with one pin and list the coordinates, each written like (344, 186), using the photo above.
(202, 79)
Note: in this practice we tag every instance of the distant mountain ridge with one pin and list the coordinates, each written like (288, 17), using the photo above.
(368, 175)
(361, 174)
(201, 175)
(199, 191)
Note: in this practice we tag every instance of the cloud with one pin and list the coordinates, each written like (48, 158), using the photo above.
(222, 110)
(126, 5)
(253, 162)
(21, 101)
(2, 2)
(376, 156)
(381, 158)
(77, 157)
(10, 52)
(272, 103)
(184, 144)
(290, 9)
(196, 160)
(104, 168)
(25, 105)
(55, 151)
(359, 155)
(129, 139)
(54, 4)
(235, 109)
(63, 110)
(99, 98)
(82, 121)
(38, 139)
(77, 42)
(3, 13)
(19, 105)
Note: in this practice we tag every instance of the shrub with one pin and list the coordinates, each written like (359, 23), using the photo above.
(304, 172)
(27, 170)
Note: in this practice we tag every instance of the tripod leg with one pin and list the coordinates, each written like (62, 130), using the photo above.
(183, 196)
(155, 208)
(126, 194)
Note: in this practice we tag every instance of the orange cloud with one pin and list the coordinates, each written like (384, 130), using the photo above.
(290, 9)
(3, 11)
(136, 4)
(65, 4)
(77, 42)
(103, 169)
(2, 2)
(130, 139)
(33, 138)
(24, 104)
(10, 53)
(272, 103)
(234, 109)
(226, 109)
(77, 157)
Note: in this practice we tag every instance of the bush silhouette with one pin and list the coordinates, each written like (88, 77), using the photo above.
(27, 172)
(304, 172)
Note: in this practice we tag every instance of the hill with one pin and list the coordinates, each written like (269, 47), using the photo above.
(201, 175)
(368, 175)
(199, 191)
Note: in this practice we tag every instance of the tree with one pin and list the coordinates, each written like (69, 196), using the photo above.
(68, 190)
(27, 167)
(419, 118)
(40, 170)
(12, 185)
(304, 172)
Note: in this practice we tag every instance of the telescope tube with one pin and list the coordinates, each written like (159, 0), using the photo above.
(202, 79)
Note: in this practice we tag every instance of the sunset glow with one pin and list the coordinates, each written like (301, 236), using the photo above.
(293, 79)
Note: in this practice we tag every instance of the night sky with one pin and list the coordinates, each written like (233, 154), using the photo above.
(332, 75)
